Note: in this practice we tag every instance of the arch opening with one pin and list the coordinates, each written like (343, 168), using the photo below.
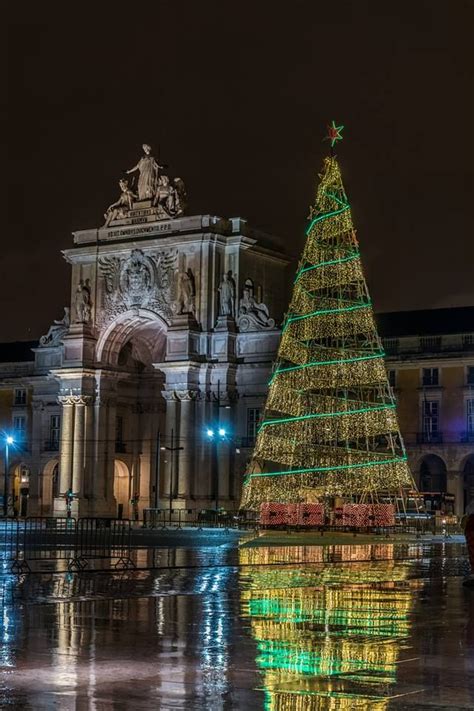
(433, 474)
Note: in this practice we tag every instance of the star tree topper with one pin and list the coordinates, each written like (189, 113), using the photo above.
(334, 133)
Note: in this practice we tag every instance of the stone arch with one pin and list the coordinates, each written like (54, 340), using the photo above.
(149, 326)
(433, 474)
(50, 484)
(122, 486)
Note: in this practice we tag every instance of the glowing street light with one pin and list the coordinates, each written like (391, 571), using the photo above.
(9, 441)
(210, 433)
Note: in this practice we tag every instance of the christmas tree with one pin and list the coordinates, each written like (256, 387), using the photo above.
(330, 424)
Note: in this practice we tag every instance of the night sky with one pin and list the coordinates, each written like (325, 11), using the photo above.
(236, 97)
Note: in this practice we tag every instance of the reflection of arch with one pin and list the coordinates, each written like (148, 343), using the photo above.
(122, 484)
(433, 475)
(148, 325)
(468, 480)
(50, 484)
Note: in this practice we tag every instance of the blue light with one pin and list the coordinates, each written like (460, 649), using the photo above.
(222, 432)
(210, 433)
(9, 439)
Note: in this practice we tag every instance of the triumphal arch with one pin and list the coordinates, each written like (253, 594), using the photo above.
(172, 328)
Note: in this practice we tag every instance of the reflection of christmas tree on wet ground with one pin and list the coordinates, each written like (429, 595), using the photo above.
(328, 636)
(330, 426)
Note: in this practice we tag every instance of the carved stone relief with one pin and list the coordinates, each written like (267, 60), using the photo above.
(140, 281)
(56, 331)
(253, 316)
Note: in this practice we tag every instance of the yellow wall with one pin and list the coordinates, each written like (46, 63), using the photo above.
(407, 384)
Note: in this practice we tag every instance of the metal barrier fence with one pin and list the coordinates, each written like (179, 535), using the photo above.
(102, 538)
(9, 532)
(50, 539)
(196, 518)
(45, 539)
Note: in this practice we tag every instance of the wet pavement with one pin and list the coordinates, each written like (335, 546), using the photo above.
(296, 628)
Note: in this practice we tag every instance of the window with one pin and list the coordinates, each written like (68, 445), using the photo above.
(430, 376)
(54, 427)
(470, 416)
(19, 428)
(253, 418)
(392, 378)
(470, 375)
(119, 428)
(431, 419)
(119, 443)
(468, 340)
(20, 396)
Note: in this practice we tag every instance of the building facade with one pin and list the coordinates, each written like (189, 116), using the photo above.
(149, 387)
(430, 361)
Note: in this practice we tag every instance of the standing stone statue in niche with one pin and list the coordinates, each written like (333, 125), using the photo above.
(186, 292)
(83, 303)
(118, 210)
(226, 291)
(148, 170)
(57, 330)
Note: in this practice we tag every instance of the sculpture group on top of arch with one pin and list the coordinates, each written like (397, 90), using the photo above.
(163, 198)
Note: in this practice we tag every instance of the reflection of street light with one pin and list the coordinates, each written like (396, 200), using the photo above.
(9, 441)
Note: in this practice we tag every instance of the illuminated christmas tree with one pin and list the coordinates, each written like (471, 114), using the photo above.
(330, 426)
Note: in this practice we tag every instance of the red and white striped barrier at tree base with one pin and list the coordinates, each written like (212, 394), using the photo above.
(312, 515)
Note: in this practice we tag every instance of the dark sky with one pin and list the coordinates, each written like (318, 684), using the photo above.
(237, 96)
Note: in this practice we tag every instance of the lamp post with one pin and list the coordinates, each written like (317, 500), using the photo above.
(216, 433)
(172, 449)
(215, 436)
(8, 443)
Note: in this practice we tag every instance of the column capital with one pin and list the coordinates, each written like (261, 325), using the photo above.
(180, 395)
(75, 399)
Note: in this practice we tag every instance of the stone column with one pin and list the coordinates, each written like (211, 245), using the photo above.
(455, 486)
(35, 498)
(170, 457)
(187, 435)
(78, 448)
(109, 465)
(66, 448)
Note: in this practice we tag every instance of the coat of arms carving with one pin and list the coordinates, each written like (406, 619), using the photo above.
(140, 280)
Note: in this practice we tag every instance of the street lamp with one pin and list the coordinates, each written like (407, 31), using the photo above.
(171, 449)
(215, 436)
(9, 441)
